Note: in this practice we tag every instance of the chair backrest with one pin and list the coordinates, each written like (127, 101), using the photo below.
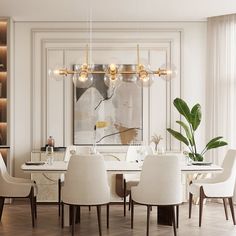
(86, 181)
(229, 168)
(138, 153)
(160, 182)
(4, 176)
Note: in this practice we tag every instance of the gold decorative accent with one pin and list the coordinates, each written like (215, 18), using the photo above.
(112, 70)
(102, 124)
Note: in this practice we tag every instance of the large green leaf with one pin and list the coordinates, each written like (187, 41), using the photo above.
(183, 108)
(216, 144)
(187, 131)
(178, 136)
(213, 140)
(196, 116)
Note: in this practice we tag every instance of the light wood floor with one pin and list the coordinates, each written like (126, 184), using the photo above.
(16, 221)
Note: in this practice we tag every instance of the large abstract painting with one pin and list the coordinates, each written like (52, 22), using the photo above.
(119, 109)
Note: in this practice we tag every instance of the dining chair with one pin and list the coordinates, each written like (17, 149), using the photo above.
(70, 150)
(12, 187)
(134, 153)
(160, 185)
(86, 184)
(219, 186)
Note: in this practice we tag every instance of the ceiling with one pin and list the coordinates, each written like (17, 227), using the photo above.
(110, 10)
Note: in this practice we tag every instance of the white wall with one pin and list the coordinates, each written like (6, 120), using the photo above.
(31, 108)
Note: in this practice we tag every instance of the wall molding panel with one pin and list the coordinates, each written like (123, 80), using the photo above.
(52, 101)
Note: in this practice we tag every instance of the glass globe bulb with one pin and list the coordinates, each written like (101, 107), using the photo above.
(83, 82)
(57, 73)
(112, 82)
(170, 71)
(145, 76)
(83, 77)
(112, 76)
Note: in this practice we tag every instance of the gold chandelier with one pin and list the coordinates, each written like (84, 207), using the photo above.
(113, 73)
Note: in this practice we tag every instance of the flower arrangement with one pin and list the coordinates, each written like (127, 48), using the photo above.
(156, 140)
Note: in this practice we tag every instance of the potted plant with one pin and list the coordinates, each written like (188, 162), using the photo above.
(193, 120)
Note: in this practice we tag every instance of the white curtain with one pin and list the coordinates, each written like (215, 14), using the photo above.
(221, 83)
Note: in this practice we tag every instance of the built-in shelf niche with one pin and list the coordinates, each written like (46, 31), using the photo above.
(3, 32)
(3, 134)
(3, 84)
(3, 58)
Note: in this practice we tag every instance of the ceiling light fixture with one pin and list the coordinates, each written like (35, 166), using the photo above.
(113, 74)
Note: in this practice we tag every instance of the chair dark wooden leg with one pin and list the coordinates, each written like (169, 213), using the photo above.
(2, 199)
(108, 216)
(232, 209)
(70, 216)
(177, 216)
(173, 219)
(201, 199)
(89, 208)
(148, 219)
(130, 200)
(73, 220)
(59, 197)
(225, 207)
(157, 214)
(190, 205)
(35, 207)
(31, 196)
(62, 214)
(77, 218)
(99, 220)
(124, 197)
(132, 214)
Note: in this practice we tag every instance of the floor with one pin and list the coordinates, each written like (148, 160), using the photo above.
(16, 221)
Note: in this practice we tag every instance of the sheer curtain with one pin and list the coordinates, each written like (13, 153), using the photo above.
(221, 83)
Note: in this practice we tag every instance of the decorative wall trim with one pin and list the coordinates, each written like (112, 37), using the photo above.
(42, 40)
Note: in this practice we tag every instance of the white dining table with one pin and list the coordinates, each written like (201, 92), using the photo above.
(112, 167)
(118, 167)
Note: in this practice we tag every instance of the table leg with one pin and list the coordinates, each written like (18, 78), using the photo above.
(164, 215)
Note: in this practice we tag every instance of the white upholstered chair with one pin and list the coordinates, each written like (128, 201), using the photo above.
(11, 187)
(220, 186)
(86, 184)
(70, 150)
(134, 153)
(160, 185)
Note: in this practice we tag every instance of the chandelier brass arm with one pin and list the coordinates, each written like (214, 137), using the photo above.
(83, 76)
(65, 72)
